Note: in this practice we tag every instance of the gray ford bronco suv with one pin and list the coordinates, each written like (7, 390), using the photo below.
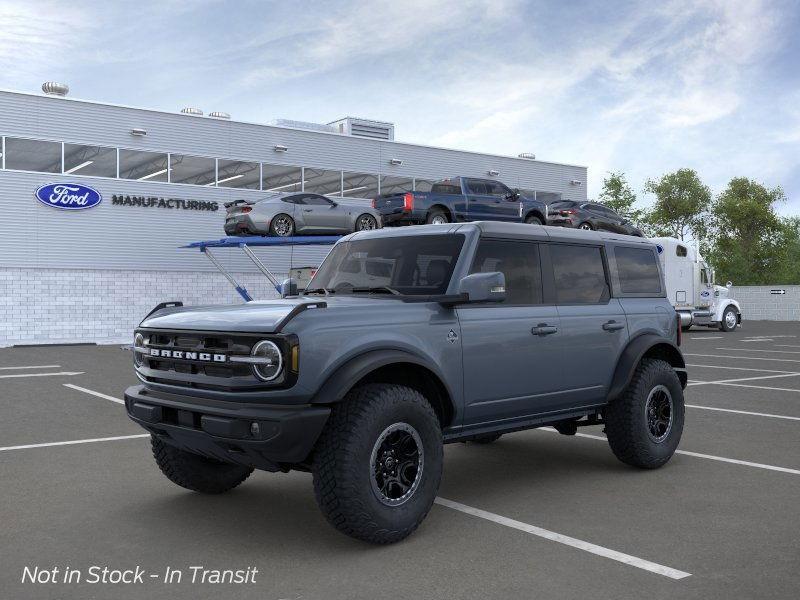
(407, 339)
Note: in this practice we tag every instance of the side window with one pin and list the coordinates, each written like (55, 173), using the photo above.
(580, 275)
(681, 250)
(638, 271)
(519, 262)
(445, 187)
(476, 186)
(495, 188)
(316, 200)
(294, 199)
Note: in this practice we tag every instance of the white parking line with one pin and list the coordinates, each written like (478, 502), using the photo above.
(739, 368)
(71, 442)
(792, 360)
(93, 393)
(744, 412)
(16, 375)
(758, 340)
(566, 540)
(697, 454)
(787, 346)
(694, 382)
(31, 367)
(754, 350)
(711, 337)
(761, 387)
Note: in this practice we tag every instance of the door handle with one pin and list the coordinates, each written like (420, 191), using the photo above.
(543, 329)
(613, 326)
(307, 210)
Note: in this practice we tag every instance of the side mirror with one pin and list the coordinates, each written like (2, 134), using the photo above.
(334, 204)
(288, 288)
(483, 287)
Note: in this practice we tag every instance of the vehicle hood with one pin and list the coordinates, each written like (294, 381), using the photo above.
(263, 316)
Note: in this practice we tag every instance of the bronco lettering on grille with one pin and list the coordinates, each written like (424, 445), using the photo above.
(181, 354)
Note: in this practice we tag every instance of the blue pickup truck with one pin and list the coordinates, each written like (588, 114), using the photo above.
(460, 199)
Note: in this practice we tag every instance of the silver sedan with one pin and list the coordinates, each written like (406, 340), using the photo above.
(300, 213)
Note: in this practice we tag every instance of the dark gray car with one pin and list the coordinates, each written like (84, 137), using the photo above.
(286, 214)
(408, 338)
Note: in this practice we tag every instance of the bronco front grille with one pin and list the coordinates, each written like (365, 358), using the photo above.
(201, 374)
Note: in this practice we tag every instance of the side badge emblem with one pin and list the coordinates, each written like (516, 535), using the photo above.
(452, 336)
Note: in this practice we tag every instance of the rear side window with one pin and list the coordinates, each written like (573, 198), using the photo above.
(638, 271)
(580, 275)
(446, 187)
(519, 262)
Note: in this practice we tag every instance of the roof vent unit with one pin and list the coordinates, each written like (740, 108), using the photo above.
(192, 111)
(376, 130)
(219, 115)
(51, 88)
(527, 155)
(303, 125)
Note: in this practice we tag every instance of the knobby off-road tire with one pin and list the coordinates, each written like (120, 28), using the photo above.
(635, 426)
(195, 472)
(350, 461)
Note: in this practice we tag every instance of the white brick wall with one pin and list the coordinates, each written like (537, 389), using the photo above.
(49, 306)
(758, 304)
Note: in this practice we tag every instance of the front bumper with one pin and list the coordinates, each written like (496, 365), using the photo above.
(262, 436)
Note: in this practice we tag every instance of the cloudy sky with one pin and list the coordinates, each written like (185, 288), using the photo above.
(639, 87)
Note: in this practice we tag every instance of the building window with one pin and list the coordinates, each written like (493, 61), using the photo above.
(143, 166)
(194, 170)
(97, 161)
(320, 181)
(396, 185)
(33, 155)
(359, 185)
(423, 185)
(236, 174)
(280, 178)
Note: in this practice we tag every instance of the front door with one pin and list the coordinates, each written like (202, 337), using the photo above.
(480, 203)
(320, 214)
(593, 325)
(510, 350)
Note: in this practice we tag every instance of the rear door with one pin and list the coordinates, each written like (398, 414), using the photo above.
(593, 325)
(480, 203)
(510, 350)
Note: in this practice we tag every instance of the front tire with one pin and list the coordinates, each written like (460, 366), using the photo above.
(282, 226)
(729, 321)
(195, 472)
(378, 463)
(586, 226)
(644, 425)
(533, 220)
(366, 222)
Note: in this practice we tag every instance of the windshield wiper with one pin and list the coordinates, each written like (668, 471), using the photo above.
(321, 290)
(382, 289)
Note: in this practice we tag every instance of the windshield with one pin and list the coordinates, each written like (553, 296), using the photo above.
(409, 265)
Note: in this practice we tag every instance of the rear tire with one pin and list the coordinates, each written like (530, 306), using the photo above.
(195, 472)
(281, 226)
(533, 220)
(586, 226)
(644, 425)
(730, 320)
(437, 216)
(378, 463)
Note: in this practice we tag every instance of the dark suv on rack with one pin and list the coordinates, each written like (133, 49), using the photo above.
(407, 339)
(589, 216)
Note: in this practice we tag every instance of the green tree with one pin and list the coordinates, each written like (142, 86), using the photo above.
(750, 243)
(681, 206)
(618, 196)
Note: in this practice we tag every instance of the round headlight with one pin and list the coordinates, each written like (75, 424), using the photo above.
(138, 342)
(271, 365)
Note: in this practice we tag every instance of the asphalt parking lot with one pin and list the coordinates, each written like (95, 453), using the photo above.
(534, 515)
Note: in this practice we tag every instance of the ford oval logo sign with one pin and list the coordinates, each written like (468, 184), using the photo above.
(68, 196)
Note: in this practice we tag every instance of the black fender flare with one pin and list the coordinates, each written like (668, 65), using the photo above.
(352, 371)
(633, 354)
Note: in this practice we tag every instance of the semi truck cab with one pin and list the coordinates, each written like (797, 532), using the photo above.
(692, 290)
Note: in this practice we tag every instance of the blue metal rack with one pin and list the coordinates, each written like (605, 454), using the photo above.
(245, 243)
